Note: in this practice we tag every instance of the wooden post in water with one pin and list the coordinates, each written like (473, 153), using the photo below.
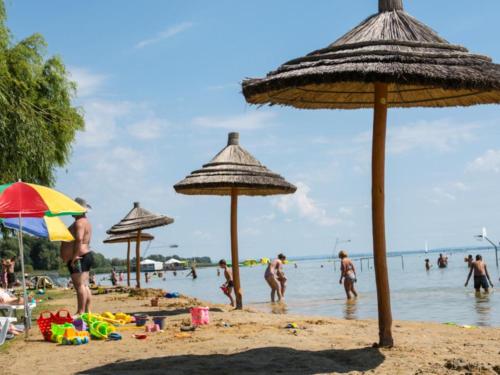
(234, 249)
(402, 263)
(361, 263)
(378, 215)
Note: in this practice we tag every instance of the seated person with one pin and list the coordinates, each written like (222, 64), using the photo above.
(7, 298)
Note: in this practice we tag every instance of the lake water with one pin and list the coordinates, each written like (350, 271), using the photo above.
(438, 295)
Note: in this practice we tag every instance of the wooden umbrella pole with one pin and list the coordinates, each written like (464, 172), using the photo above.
(138, 260)
(234, 249)
(128, 263)
(378, 215)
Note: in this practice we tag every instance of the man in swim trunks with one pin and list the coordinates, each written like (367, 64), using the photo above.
(79, 258)
(442, 261)
(481, 275)
(273, 271)
(228, 286)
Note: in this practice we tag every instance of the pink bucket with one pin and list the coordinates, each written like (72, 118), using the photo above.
(199, 316)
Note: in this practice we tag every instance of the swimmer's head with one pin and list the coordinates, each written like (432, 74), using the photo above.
(479, 257)
(222, 263)
(281, 256)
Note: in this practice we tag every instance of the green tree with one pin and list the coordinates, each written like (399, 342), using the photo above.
(38, 122)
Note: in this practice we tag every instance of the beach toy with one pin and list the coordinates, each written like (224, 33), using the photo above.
(291, 325)
(101, 330)
(114, 336)
(199, 316)
(73, 337)
(160, 321)
(44, 324)
(140, 336)
(124, 317)
(79, 324)
(140, 320)
(63, 316)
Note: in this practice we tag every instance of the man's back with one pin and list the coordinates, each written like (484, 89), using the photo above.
(479, 268)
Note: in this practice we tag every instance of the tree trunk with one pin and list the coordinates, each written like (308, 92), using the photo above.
(138, 260)
(128, 263)
(378, 216)
(234, 249)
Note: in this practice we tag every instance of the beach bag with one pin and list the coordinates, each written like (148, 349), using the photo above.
(46, 319)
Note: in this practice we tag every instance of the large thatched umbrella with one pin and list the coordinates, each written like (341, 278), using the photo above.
(233, 171)
(128, 238)
(136, 221)
(389, 60)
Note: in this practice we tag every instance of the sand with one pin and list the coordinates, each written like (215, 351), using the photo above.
(250, 342)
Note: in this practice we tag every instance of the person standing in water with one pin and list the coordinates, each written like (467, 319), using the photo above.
(481, 275)
(192, 273)
(273, 271)
(79, 258)
(442, 261)
(469, 260)
(228, 286)
(348, 273)
(428, 264)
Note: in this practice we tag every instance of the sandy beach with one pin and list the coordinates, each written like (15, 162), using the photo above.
(247, 341)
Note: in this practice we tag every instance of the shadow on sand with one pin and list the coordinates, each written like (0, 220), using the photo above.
(271, 360)
(171, 312)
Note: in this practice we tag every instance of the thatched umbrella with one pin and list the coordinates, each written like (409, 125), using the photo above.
(389, 60)
(136, 221)
(128, 238)
(233, 171)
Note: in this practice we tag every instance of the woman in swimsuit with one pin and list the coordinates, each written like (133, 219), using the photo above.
(348, 273)
(273, 271)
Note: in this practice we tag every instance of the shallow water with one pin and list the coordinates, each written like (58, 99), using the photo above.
(438, 295)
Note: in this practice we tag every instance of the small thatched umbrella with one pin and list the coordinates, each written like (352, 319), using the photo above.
(233, 171)
(136, 221)
(128, 238)
(389, 60)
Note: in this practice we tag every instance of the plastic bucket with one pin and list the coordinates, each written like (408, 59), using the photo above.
(140, 320)
(161, 321)
(199, 316)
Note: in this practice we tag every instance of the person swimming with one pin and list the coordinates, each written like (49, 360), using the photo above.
(348, 273)
(442, 261)
(481, 275)
(428, 264)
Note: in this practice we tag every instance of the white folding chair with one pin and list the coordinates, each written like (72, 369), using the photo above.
(6, 321)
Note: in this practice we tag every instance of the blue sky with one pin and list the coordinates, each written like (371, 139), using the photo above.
(159, 84)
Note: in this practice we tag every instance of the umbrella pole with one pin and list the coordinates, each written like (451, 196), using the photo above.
(138, 260)
(234, 249)
(27, 318)
(128, 263)
(378, 216)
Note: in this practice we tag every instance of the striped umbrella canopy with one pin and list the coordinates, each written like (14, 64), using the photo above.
(48, 227)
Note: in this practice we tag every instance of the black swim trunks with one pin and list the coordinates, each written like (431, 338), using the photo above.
(481, 281)
(230, 284)
(84, 264)
(11, 278)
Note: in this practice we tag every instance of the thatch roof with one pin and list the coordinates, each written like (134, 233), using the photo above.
(234, 168)
(421, 68)
(139, 218)
(125, 237)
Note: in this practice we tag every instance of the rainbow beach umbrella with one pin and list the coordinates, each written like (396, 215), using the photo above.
(48, 227)
(29, 201)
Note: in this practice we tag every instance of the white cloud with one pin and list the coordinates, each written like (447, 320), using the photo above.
(442, 193)
(302, 204)
(148, 129)
(165, 34)
(439, 135)
(448, 192)
(488, 162)
(347, 211)
(118, 158)
(101, 121)
(224, 87)
(246, 121)
(88, 83)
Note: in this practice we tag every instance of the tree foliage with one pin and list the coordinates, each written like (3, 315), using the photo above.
(38, 122)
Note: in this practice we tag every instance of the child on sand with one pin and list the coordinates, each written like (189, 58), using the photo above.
(481, 275)
(11, 276)
(228, 286)
(348, 273)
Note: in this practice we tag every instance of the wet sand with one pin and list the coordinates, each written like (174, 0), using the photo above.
(250, 342)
